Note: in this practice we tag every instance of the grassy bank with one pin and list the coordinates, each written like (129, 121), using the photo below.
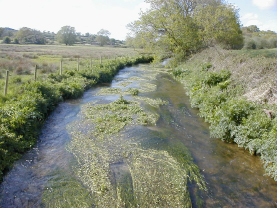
(23, 112)
(235, 91)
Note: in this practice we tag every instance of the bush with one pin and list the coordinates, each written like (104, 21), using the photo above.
(7, 40)
(249, 44)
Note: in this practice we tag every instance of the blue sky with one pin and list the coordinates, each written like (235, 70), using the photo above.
(262, 13)
(113, 15)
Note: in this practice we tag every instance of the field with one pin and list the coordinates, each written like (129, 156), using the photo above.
(21, 59)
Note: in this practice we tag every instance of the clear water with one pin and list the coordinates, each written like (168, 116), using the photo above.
(233, 177)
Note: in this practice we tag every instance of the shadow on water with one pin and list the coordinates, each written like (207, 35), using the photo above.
(233, 177)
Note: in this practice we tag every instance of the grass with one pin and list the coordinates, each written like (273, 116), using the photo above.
(268, 53)
(21, 59)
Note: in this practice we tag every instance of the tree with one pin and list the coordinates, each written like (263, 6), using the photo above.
(1, 31)
(30, 36)
(219, 24)
(183, 27)
(103, 37)
(24, 35)
(254, 38)
(7, 40)
(67, 35)
(167, 27)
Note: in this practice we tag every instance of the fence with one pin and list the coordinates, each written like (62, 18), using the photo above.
(61, 68)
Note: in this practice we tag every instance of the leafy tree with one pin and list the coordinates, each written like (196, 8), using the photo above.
(219, 24)
(103, 37)
(67, 35)
(30, 36)
(184, 26)
(24, 35)
(112, 41)
(7, 40)
(16, 41)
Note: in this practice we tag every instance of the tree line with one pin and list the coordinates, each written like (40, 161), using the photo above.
(182, 27)
(66, 35)
(254, 38)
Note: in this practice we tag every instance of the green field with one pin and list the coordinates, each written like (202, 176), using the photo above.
(20, 60)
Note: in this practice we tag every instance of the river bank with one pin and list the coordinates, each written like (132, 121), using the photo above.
(22, 115)
(236, 94)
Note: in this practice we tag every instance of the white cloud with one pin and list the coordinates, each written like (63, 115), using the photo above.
(254, 19)
(250, 19)
(265, 4)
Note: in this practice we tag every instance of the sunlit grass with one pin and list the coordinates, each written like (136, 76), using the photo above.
(269, 53)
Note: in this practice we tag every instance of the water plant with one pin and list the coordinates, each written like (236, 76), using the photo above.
(123, 169)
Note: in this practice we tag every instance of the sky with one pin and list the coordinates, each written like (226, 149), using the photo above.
(112, 15)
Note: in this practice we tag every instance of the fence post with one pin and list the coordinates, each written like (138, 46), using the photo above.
(6, 83)
(90, 62)
(36, 68)
(78, 62)
(100, 59)
(61, 67)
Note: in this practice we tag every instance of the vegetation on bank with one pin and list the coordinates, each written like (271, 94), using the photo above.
(237, 95)
(22, 115)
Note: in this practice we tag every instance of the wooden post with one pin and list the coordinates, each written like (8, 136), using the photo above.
(6, 83)
(78, 62)
(36, 68)
(61, 67)
(90, 62)
(100, 59)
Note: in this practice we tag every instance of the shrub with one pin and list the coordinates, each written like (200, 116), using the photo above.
(7, 40)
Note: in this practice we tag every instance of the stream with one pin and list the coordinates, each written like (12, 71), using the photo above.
(159, 156)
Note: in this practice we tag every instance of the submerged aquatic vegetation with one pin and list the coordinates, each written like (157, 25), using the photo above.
(147, 87)
(118, 169)
(109, 91)
(153, 102)
(111, 118)
(73, 195)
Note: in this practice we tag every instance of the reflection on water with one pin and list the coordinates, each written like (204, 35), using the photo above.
(233, 177)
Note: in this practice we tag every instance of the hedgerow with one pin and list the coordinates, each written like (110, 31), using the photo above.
(21, 117)
(220, 97)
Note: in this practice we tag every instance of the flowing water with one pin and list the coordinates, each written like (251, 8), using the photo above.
(158, 154)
